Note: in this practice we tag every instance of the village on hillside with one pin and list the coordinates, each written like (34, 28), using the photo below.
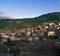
(41, 40)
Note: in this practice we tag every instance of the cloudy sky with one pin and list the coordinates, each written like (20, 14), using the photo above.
(28, 8)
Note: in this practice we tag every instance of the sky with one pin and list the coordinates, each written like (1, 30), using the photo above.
(28, 8)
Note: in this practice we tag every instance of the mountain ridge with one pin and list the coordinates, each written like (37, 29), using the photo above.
(18, 23)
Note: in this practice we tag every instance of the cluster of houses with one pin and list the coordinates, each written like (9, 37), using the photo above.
(41, 33)
(33, 33)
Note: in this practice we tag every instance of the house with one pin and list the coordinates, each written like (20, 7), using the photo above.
(28, 33)
(5, 37)
(50, 24)
(46, 27)
(51, 33)
(4, 40)
(12, 38)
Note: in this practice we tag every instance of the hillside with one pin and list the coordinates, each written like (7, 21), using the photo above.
(18, 23)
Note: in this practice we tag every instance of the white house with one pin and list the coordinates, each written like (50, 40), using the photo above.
(12, 38)
(51, 33)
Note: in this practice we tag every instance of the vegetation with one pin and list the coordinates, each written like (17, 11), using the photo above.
(18, 23)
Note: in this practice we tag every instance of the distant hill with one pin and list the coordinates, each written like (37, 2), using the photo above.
(18, 23)
(4, 17)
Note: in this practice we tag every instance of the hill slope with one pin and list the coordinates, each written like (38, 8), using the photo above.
(17, 23)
